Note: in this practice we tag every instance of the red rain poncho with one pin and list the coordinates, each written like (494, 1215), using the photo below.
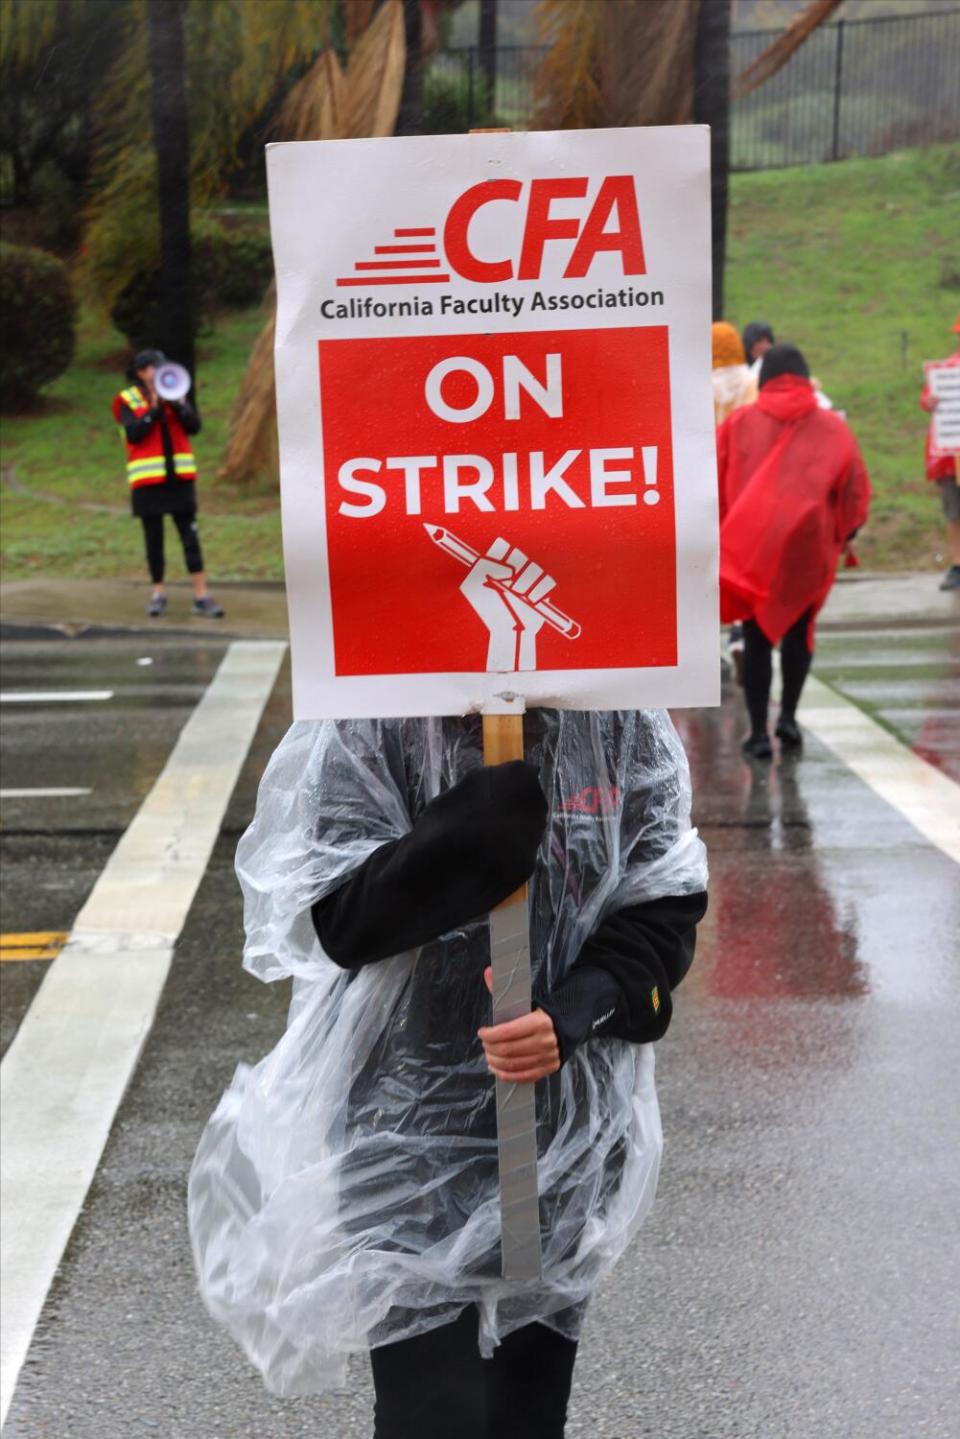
(793, 489)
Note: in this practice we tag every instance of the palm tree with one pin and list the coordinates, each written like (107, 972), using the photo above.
(51, 64)
(234, 57)
(487, 44)
(171, 141)
(411, 104)
(711, 106)
(327, 103)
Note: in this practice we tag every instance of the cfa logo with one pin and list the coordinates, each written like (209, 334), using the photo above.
(616, 201)
(607, 222)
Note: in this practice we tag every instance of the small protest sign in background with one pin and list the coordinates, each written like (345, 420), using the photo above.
(943, 379)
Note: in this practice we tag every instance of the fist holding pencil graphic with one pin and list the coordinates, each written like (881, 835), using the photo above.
(508, 591)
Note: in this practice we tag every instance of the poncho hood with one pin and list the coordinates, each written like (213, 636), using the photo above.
(788, 398)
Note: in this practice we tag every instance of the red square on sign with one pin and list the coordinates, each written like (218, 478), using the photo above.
(500, 502)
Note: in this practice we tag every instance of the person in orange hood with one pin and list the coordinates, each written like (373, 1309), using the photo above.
(793, 491)
(942, 471)
(733, 384)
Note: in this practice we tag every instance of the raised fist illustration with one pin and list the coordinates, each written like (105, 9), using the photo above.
(504, 586)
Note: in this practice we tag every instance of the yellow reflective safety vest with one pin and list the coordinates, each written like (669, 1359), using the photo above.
(146, 462)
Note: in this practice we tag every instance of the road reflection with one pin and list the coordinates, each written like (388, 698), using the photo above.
(774, 929)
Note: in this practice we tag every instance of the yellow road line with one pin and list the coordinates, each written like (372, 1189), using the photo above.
(42, 936)
(42, 944)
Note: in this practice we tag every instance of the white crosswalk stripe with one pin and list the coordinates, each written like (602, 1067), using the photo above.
(75, 1051)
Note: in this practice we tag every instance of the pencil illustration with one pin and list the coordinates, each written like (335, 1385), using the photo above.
(508, 591)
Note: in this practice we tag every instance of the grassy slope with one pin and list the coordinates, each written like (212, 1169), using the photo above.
(841, 259)
(845, 260)
(72, 449)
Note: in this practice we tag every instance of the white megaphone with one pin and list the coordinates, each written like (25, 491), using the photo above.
(171, 381)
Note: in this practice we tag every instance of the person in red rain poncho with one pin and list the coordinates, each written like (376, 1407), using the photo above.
(942, 471)
(793, 490)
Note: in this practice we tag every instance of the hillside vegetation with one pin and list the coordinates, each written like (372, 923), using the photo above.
(857, 263)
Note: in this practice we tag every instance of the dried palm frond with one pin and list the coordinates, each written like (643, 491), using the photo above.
(375, 76)
(314, 108)
(646, 61)
(616, 62)
(357, 15)
(568, 79)
(251, 453)
(775, 56)
(362, 103)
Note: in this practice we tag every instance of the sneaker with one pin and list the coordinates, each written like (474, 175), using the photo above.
(788, 733)
(157, 606)
(757, 746)
(207, 608)
(951, 580)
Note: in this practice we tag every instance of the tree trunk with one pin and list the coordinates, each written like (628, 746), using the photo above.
(172, 144)
(410, 118)
(487, 40)
(711, 106)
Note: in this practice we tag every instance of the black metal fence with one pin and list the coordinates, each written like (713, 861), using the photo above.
(858, 87)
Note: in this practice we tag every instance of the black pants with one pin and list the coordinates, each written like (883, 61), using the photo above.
(436, 1386)
(795, 660)
(187, 530)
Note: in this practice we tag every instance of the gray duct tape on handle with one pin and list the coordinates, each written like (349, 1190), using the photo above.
(516, 1106)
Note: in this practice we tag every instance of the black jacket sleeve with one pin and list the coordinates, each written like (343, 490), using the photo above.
(138, 427)
(470, 848)
(621, 982)
(189, 418)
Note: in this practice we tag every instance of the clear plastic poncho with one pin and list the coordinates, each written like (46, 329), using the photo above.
(345, 1192)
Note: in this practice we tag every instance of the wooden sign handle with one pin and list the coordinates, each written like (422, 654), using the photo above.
(502, 738)
(502, 742)
(516, 1103)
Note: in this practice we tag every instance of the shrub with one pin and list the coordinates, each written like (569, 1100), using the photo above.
(231, 267)
(455, 103)
(136, 311)
(236, 265)
(37, 310)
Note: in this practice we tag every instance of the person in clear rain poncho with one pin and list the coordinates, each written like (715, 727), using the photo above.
(344, 1195)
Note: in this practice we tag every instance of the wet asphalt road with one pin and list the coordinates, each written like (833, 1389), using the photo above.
(909, 682)
(53, 849)
(800, 1271)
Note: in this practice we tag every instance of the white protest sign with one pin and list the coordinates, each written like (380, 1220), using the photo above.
(943, 379)
(496, 426)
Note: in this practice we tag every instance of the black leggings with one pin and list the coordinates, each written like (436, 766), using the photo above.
(187, 530)
(436, 1386)
(795, 660)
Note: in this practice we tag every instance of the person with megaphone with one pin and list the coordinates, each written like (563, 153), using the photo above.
(157, 419)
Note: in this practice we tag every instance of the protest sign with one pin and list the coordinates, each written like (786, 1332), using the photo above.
(943, 380)
(496, 427)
